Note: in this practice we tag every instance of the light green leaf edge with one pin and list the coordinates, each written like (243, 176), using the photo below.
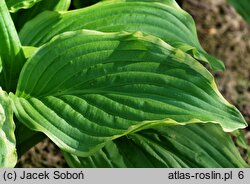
(8, 156)
(28, 51)
(164, 19)
(63, 5)
(45, 100)
(15, 5)
(190, 146)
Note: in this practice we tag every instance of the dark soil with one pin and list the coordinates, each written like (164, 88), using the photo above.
(224, 34)
(44, 154)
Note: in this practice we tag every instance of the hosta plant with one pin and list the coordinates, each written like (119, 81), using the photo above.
(116, 84)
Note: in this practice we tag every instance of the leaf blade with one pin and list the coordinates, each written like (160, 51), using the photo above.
(86, 88)
(190, 146)
(165, 20)
(11, 56)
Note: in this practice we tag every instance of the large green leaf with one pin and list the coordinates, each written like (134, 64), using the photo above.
(8, 156)
(15, 5)
(165, 20)
(85, 88)
(11, 55)
(243, 7)
(199, 145)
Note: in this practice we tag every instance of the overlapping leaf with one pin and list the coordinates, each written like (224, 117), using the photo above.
(199, 145)
(11, 55)
(26, 138)
(23, 16)
(86, 88)
(15, 5)
(164, 19)
(8, 156)
(243, 7)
